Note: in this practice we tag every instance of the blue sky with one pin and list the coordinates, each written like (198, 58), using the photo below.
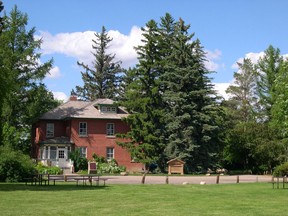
(229, 30)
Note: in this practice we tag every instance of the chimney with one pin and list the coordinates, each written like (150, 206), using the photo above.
(73, 98)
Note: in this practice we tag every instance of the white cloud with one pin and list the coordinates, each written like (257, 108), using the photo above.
(54, 73)
(79, 45)
(60, 96)
(221, 89)
(212, 58)
(254, 57)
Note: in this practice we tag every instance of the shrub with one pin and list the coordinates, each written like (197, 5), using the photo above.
(99, 159)
(14, 165)
(281, 170)
(109, 167)
(53, 170)
(80, 163)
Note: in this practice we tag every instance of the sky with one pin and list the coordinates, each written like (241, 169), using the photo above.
(229, 30)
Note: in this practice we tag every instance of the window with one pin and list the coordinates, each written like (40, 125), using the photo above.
(109, 109)
(83, 129)
(83, 152)
(110, 129)
(50, 130)
(109, 154)
(61, 154)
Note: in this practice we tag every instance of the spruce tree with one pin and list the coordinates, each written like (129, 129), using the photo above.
(101, 79)
(144, 101)
(174, 113)
(191, 111)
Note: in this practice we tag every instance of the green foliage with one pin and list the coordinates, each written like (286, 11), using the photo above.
(280, 107)
(99, 159)
(173, 106)
(256, 138)
(23, 95)
(268, 70)
(53, 170)
(281, 170)
(101, 80)
(109, 167)
(14, 165)
(80, 163)
(243, 91)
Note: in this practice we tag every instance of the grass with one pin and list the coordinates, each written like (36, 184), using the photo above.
(68, 199)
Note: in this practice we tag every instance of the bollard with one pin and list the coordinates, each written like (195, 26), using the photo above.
(217, 179)
(143, 178)
(167, 180)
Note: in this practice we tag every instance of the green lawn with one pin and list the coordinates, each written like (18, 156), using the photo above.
(68, 199)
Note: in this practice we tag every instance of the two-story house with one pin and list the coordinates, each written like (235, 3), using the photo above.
(89, 126)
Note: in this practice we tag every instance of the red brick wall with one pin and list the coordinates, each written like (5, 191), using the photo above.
(96, 140)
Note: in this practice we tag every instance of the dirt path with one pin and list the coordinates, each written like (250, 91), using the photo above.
(186, 179)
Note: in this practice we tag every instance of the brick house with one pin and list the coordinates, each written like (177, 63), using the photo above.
(89, 126)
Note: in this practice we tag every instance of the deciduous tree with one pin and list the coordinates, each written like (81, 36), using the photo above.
(26, 97)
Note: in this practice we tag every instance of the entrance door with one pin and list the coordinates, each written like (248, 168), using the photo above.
(62, 156)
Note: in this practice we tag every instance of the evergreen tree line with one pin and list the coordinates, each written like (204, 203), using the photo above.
(175, 113)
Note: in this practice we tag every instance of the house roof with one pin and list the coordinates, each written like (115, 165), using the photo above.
(84, 109)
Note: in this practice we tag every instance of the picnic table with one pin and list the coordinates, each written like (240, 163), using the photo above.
(44, 179)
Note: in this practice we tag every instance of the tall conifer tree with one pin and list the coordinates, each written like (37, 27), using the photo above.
(171, 99)
(144, 101)
(191, 110)
(101, 79)
(268, 70)
(243, 91)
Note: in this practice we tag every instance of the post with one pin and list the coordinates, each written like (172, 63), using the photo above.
(167, 180)
(237, 179)
(143, 178)
(277, 182)
(217, 179)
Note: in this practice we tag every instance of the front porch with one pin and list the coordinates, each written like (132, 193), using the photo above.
(55, 152)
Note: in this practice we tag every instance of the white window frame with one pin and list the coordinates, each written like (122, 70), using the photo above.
(83, 151)
(110, 129)
(110, 152)
(50, 130)
(108, 109)
(83, 130)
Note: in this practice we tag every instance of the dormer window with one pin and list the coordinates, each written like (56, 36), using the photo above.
(108, 109)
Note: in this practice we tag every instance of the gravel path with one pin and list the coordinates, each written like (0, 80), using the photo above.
(187, 179)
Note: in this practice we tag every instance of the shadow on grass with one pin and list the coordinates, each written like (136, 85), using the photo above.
(59, 187)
